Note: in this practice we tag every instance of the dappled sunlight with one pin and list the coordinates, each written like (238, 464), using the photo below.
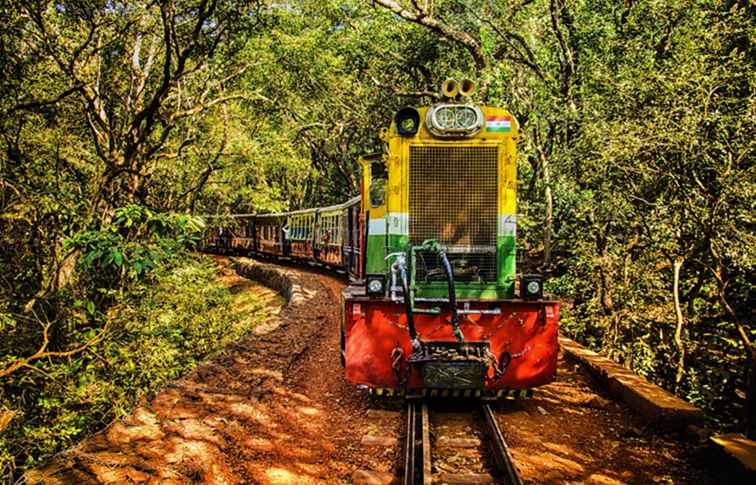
(286, 393)
(261, 371)
(259, 444)
(121, 433)
(569, 433)
(283, 476)
(573, 411)
(556, 461)
(313, 469)
(194, 429)
(253, 413)
(300, 453)
(184, 449)
(601, 479)
(279, 436)
(565, 450)
(244, 418)
(237, 417)
(308, 411)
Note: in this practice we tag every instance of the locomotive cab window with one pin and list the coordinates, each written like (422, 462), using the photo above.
(378, 178)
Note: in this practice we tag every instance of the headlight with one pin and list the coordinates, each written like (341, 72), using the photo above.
(375, 284)
(531, 287)
(447, 120)
(407, 121)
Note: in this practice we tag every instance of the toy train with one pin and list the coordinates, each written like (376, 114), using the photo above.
(434, 305)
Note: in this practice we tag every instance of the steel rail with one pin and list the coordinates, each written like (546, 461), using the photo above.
(500, 449)
(417, 453)
(425, 450)
(410, 445)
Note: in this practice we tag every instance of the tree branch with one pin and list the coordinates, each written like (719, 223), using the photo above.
(409, 94)
(427, 20)
(43, 353)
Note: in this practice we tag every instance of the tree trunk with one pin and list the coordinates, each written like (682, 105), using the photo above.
(549, 209)
(680, 324)
(605, 290)
(605, 278)
(549, 220)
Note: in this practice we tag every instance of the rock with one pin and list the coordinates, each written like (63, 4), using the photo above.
(597, 402)
(370, 440)
(466, 478)
(445, 442)
(369, 477)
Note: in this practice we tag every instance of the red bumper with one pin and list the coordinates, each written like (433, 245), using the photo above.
(523, 335)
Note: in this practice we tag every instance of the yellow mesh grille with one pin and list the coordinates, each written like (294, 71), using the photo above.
(453, 199)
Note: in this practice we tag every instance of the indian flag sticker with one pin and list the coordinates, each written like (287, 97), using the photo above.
(500, 124)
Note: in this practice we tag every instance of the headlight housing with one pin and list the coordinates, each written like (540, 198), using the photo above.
(531, 287)
(407, 121)
(375, 285)
(454, 120)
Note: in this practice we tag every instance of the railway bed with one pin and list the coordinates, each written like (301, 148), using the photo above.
(452, 443)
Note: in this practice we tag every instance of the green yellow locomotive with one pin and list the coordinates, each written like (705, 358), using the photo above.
(434, 304)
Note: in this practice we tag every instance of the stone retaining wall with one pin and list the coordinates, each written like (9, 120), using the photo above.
(659, 407)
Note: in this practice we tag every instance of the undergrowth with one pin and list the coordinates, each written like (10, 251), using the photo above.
(156, 331)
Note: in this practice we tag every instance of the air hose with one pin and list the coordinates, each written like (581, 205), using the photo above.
(400, 266)
(408, 307)
(452, 296)
(432, 245)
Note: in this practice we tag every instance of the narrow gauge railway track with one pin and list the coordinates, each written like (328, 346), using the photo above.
(428, 430)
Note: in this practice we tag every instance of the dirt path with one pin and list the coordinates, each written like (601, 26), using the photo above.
(274, 409)
(570, 432)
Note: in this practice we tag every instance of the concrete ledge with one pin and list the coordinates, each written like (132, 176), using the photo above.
(287, 283)
(739, 454)
(659, 407)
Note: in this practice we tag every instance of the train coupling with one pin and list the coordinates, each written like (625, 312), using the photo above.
(455, 365)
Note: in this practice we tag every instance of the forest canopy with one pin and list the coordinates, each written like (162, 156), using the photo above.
(120, 121)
